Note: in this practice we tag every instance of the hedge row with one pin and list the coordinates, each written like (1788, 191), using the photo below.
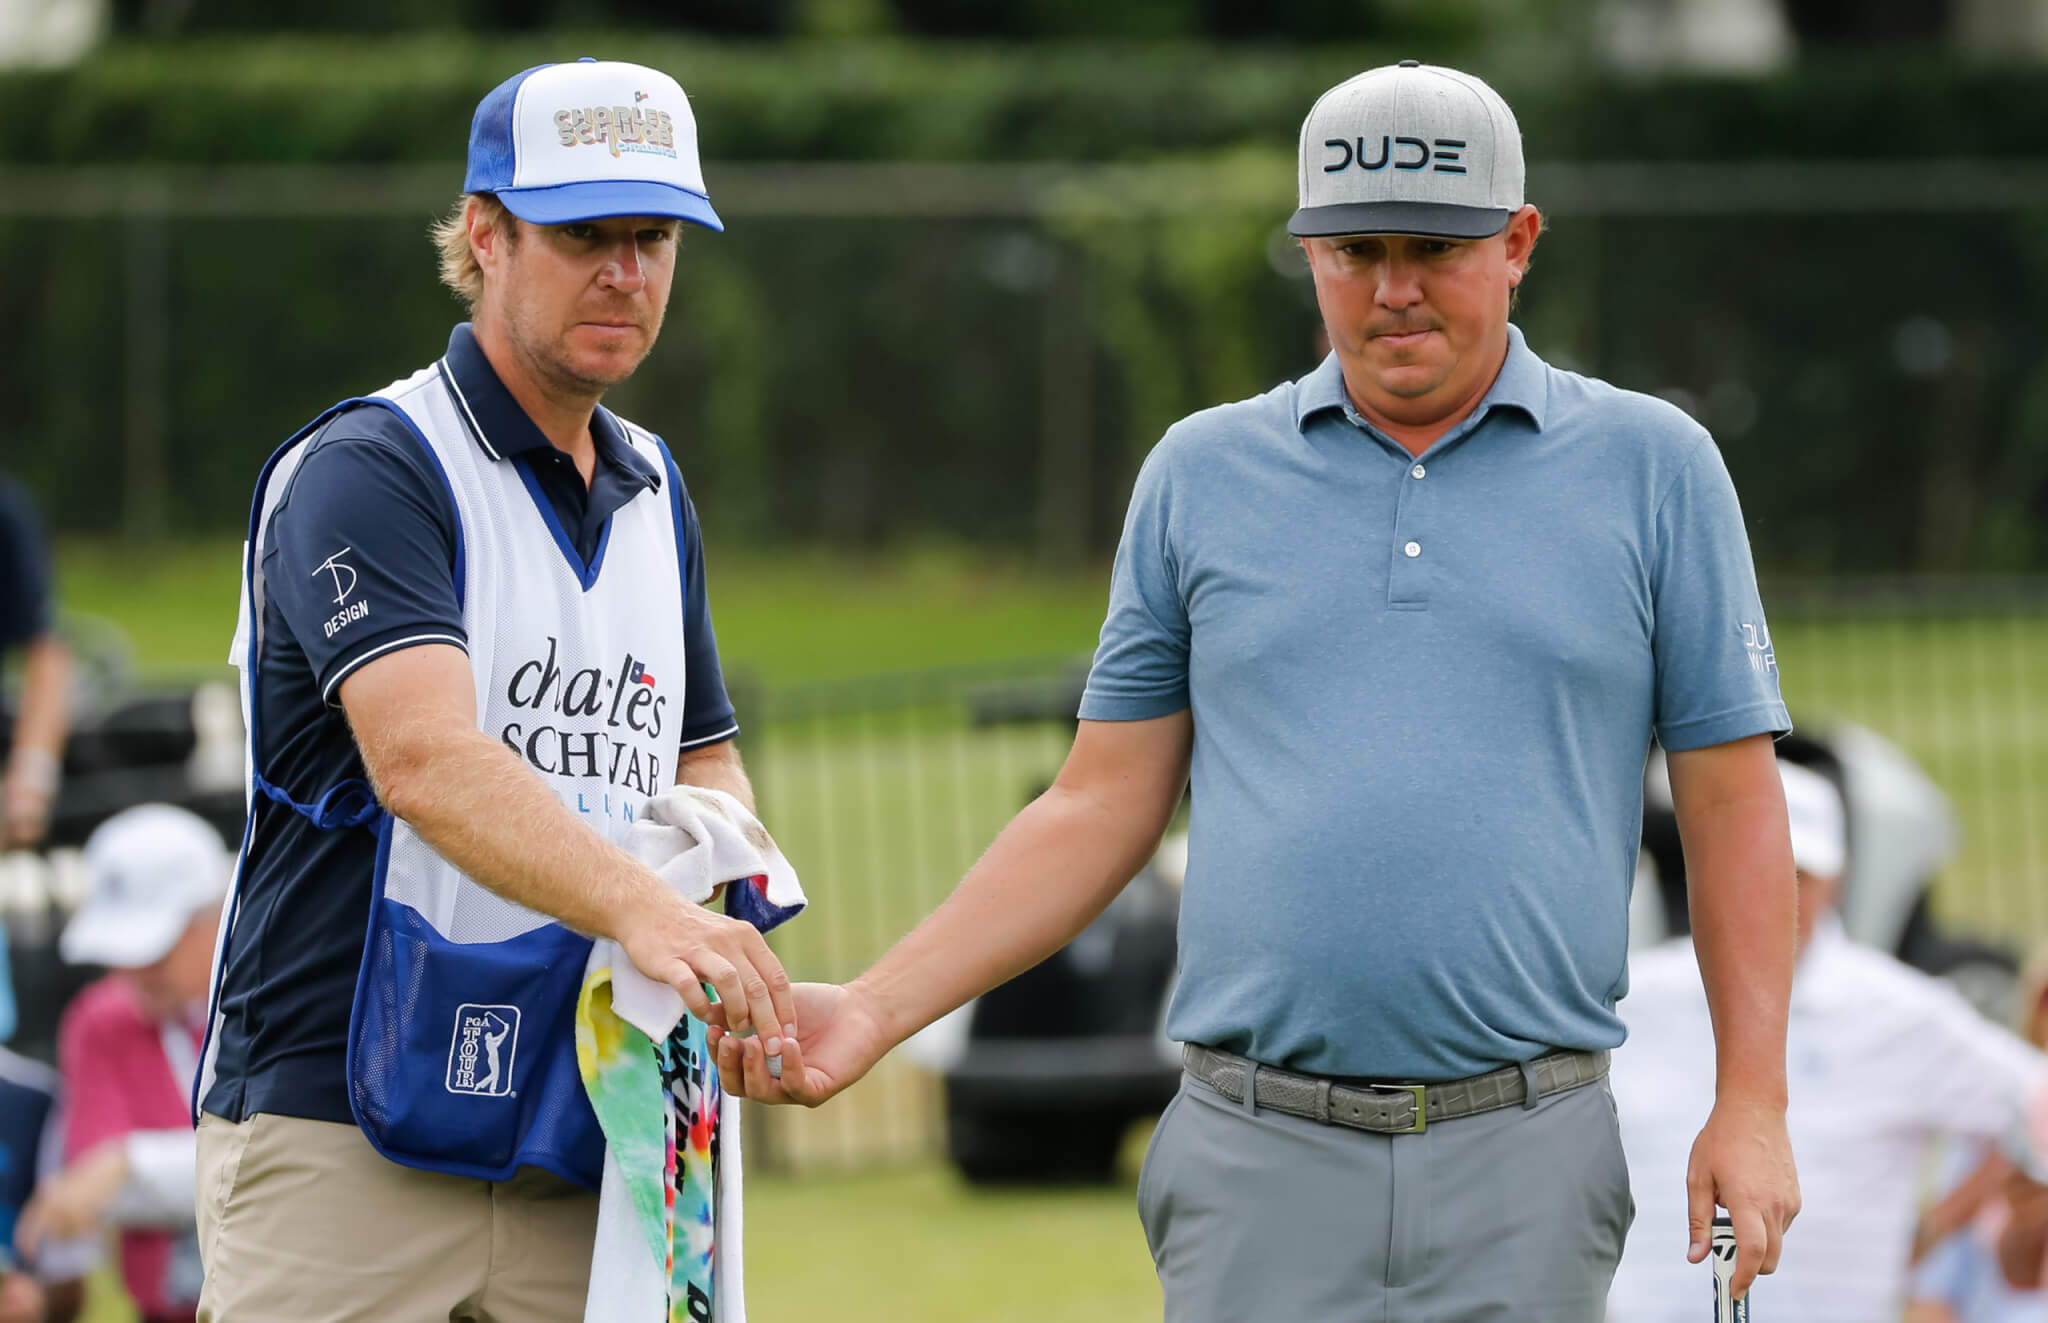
(301, 99)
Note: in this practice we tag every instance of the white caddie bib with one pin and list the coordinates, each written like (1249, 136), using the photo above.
(462, 1053)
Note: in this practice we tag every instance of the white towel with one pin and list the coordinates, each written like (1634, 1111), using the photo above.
(697, 840)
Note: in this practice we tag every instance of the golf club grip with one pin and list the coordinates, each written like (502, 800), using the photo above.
(1721, 1254)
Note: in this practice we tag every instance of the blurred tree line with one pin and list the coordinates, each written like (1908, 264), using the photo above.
(1299, 20)
(1877, 373)
(1815, 22)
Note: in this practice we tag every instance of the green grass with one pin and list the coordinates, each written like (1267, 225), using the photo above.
(105, 1301)
(915, 1244)
(783, 618)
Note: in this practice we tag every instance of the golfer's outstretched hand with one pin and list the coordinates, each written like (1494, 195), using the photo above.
(839, 1040)
(1743, 1162)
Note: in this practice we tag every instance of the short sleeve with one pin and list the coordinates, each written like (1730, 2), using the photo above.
(708, 715)
(360, 555)
(1992, 1074)
(24, 570)
(1141, 662)
(1717, 673)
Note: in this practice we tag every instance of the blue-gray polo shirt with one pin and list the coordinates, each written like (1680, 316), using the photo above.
(368, 484)
(1423, 691)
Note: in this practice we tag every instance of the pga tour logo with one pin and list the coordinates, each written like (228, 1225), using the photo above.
(481, 1052)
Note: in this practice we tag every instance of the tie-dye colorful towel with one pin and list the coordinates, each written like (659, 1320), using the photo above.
(659, 1105)
(669, 1212)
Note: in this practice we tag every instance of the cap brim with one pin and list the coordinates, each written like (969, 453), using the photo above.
(559, 204)
(1434, 220)
(1817, 851)
(120, 938)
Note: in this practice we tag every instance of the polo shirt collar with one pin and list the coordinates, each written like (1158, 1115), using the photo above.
(501, 428)
(1523, 382)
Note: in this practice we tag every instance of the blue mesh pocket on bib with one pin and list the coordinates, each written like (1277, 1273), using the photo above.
(462, 1056)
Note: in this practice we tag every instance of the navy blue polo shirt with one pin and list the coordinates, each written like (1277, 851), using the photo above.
(24, 570)
(367, 484)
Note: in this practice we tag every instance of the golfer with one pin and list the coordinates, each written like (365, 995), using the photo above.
(1410, 624)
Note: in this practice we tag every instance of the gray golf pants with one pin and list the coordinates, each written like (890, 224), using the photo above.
(1513, 1216)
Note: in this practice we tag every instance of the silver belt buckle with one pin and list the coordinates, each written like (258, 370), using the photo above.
(1414, 1091)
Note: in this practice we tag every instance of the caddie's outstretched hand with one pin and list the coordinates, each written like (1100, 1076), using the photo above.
(1743, 1161)
(837, 1040)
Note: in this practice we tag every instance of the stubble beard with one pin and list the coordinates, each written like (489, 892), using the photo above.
(549, 361)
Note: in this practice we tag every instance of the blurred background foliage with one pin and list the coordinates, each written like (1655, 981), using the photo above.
(1078, 244)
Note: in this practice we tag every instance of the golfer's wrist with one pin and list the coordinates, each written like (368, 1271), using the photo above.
(1751, 1091)
(880, 997)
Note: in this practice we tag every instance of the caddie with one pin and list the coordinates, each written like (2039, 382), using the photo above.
(1410, 624)
(474, 637)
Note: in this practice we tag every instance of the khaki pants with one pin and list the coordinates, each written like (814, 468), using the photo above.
(303, 1222)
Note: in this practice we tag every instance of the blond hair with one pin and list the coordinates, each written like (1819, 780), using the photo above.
(459, 269)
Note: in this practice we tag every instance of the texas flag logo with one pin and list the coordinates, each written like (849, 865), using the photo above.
(640, 675)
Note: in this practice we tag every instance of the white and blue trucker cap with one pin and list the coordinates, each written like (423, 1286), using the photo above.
(581, 141)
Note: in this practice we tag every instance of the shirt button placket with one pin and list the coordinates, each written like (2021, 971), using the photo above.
(1406, 586)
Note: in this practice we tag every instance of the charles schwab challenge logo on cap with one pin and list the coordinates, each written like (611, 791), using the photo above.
(620, 128)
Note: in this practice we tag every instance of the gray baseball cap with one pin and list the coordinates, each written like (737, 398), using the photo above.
(1409, 148)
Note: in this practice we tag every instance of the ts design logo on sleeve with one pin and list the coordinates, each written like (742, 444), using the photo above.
(1756, 640)
(350, 611)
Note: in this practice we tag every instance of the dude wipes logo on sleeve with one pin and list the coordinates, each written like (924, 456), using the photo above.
(481, 1052)
(1756, 641)
(583, 725)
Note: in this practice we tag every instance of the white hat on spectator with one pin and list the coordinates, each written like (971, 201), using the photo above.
(150, 870)
(1820, 838)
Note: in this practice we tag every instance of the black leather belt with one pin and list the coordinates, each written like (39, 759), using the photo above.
(1392, 1109)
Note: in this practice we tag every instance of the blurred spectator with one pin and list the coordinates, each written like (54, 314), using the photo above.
(35, 752)
(49, 1288)
(2023, 1242)
(1880, 1060)
(1960, 1279)
(129, 1051)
